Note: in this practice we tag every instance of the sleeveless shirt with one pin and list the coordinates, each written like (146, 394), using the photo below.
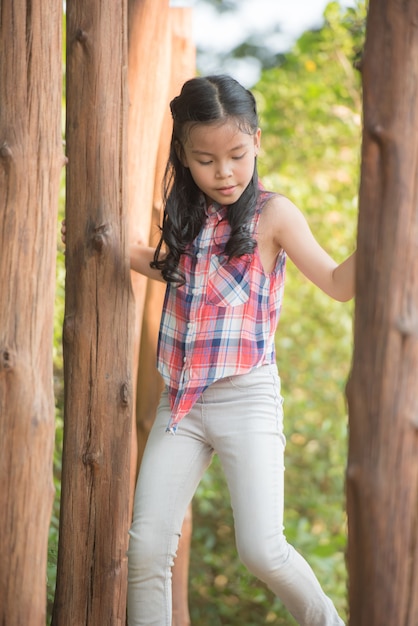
(222, 321)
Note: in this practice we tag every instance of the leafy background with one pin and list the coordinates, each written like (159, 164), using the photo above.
(310, 109)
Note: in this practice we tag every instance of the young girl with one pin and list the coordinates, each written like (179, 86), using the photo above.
(222, 253)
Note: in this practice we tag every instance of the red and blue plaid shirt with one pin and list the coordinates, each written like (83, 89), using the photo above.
(222, 321)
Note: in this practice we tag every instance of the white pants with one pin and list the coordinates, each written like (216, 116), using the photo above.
(241, 419)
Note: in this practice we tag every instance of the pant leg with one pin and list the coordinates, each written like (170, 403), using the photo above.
(246, 429)
(170, 471)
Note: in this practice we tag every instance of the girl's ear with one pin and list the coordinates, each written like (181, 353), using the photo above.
(180, 153)
(257, 141)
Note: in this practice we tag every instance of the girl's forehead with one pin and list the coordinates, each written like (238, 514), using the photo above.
(223, 130)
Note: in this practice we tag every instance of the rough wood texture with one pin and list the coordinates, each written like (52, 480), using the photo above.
(382, 477)
(91, 578)
(31, 159)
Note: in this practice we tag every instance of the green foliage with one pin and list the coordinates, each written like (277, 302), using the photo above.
(58, 373)
(59, 406)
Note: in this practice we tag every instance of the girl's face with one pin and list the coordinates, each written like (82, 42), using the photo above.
(221, 159)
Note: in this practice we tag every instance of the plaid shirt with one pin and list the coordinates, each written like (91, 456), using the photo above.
(222, 321)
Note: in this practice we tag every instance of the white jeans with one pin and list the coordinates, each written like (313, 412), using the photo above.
(241, 419)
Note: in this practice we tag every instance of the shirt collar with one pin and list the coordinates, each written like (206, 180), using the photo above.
(214, 207)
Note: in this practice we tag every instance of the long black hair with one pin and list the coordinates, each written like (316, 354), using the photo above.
(203, 100)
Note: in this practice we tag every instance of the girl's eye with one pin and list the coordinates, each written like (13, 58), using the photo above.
(237, 158)
(204, 162)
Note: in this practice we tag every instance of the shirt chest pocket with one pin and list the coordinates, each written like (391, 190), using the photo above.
(228, 281)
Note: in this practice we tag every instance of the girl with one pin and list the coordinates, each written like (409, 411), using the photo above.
(222, 254)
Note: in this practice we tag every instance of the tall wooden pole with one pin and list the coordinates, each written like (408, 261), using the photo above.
(94, 521)
(382, 477)
(31, 158)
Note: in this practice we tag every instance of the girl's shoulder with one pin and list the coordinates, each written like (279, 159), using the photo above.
(274, 205)
(277, 216)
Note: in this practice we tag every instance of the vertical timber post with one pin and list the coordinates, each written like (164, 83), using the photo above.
(382, 474)
(94, 522)
(31, 160)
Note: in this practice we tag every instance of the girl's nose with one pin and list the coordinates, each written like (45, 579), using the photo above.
(224, 170)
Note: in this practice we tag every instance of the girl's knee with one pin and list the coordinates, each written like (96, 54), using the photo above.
(262, 558)
(142, 548)
(147, 550)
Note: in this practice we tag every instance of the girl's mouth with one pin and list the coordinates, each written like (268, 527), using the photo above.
(226, 191)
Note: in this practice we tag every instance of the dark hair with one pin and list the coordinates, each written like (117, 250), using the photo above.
(203, 100)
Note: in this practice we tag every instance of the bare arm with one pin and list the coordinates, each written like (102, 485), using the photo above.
(344, 277)
(140, 258)
(295, 237)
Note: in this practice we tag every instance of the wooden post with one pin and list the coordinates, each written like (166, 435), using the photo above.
(94, 522)
(382, 477)
(31, 159)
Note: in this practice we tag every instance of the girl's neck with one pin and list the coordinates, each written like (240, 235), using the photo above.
(209, 202)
